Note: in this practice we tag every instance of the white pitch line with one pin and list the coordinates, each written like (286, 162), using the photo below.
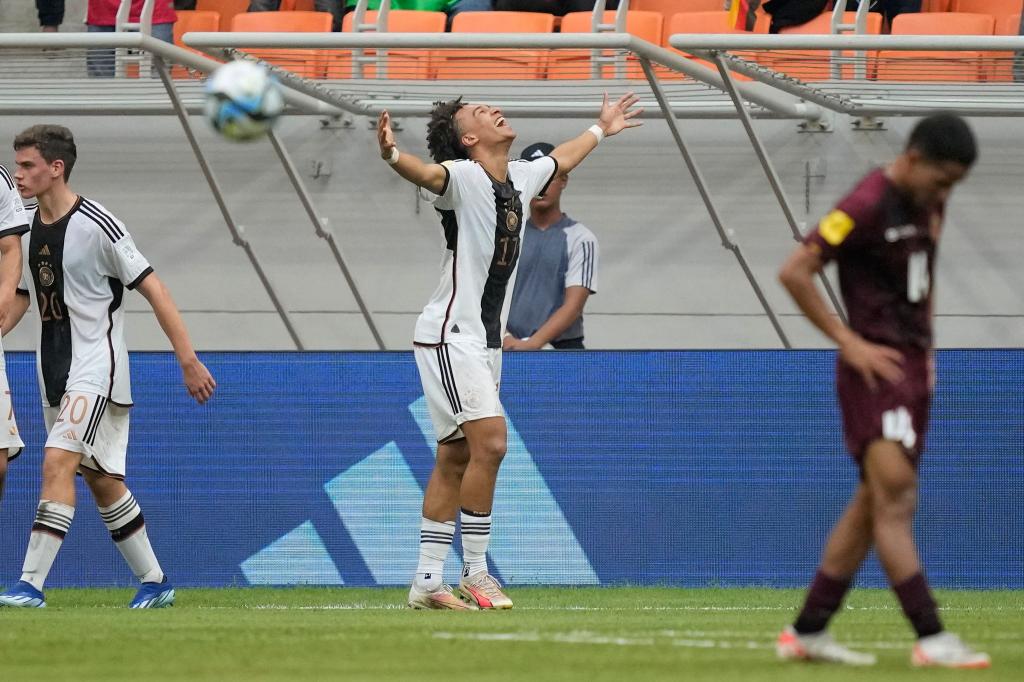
(362, 606)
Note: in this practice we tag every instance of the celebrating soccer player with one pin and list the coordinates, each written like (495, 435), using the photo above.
(483, 201)
(81, 259)
(883, 237)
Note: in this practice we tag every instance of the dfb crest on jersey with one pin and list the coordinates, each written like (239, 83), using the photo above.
(512, 221)
(45, 275)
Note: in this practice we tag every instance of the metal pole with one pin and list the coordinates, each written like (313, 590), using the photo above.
(705, 196)
(769, 171)
(236, 231)
(325, 234)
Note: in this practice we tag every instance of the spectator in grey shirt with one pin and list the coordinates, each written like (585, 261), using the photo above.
(557, 272)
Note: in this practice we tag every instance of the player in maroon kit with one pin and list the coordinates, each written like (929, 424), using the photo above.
(883, 237)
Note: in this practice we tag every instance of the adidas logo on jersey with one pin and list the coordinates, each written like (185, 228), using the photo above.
(70, 435)
(45, 251)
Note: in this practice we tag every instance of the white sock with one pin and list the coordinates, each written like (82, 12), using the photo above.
(476, 535)
(53, 520)
(128, 530)
(435, 541)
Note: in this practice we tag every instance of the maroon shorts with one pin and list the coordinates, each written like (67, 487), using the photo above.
(896, 412)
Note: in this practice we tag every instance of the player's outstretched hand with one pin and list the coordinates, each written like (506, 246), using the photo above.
(385, 136)
(620, 115)
(198, 381)
(873, 361)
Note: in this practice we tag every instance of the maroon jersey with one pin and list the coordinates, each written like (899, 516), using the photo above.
(884, 246)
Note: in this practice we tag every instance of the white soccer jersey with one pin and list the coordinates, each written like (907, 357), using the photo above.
(12, 213)
(482, 220)
(76, 272)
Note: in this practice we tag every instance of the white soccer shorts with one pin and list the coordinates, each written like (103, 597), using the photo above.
(93, 426)
(10, 439)
(460, 382)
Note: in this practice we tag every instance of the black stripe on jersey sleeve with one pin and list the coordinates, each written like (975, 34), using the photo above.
(21, 292)
(7, 177)
(17, 231)
(106, 216)
(102, 219)
(447, 179)
(138, 280)
(544, 189)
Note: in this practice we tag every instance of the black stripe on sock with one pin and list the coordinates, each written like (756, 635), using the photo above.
(127, 512)
(43, 528)
(116, 511)
(128, 529)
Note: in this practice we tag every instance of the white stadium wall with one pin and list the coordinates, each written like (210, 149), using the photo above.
(665, 281)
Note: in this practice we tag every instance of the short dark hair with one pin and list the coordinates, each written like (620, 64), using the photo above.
(944, 137)
(443, 137)
(53, 142)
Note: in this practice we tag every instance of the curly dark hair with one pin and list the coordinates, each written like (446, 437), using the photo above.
(443, 137)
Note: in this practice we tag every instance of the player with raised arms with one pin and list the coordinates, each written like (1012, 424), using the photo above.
(883, 236)
(80, 261)
(483, 201)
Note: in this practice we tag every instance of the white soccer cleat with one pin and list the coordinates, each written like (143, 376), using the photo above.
(442, 599)
(946, 650)
(792, 646)
(485, 591)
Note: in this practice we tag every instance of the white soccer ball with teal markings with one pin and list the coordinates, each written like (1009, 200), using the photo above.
(243, 100)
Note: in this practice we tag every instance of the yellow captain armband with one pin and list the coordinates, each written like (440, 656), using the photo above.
(834, 227)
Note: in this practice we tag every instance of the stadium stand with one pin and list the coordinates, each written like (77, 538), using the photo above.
(577, 63)
(411, 64)
(227, 9)
(489, 64)
(305, 63)
(937, 65)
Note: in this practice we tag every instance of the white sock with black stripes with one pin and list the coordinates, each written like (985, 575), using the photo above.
(53, 520)
(128, 530)
(435, 541)
(476, 535)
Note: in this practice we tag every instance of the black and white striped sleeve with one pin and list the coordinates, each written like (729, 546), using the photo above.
(118, 252)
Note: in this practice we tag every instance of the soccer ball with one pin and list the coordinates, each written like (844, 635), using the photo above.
(242, 100)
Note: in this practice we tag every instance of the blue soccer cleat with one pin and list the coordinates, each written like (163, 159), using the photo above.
(153, 595)
(23, 595)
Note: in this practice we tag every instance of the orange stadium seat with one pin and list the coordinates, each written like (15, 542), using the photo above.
(1001, 68)
(495, 64)
(936, 65)
(815, 65)
(576, 63)
(227, 9)
(997, 8)
(405, 64)
(670, 7)
(192, 20)
(935, 5)
(707, 22)
(305, 63)
(297, 6)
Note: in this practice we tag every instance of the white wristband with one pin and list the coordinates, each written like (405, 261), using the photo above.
(598, 133)
(393, 159)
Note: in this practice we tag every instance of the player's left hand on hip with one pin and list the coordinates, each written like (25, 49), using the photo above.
(620, 115)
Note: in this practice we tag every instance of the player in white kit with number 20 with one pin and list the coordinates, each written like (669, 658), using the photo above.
(80, 260)
(483, 201)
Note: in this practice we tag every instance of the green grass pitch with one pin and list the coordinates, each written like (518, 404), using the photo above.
(589, 634)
